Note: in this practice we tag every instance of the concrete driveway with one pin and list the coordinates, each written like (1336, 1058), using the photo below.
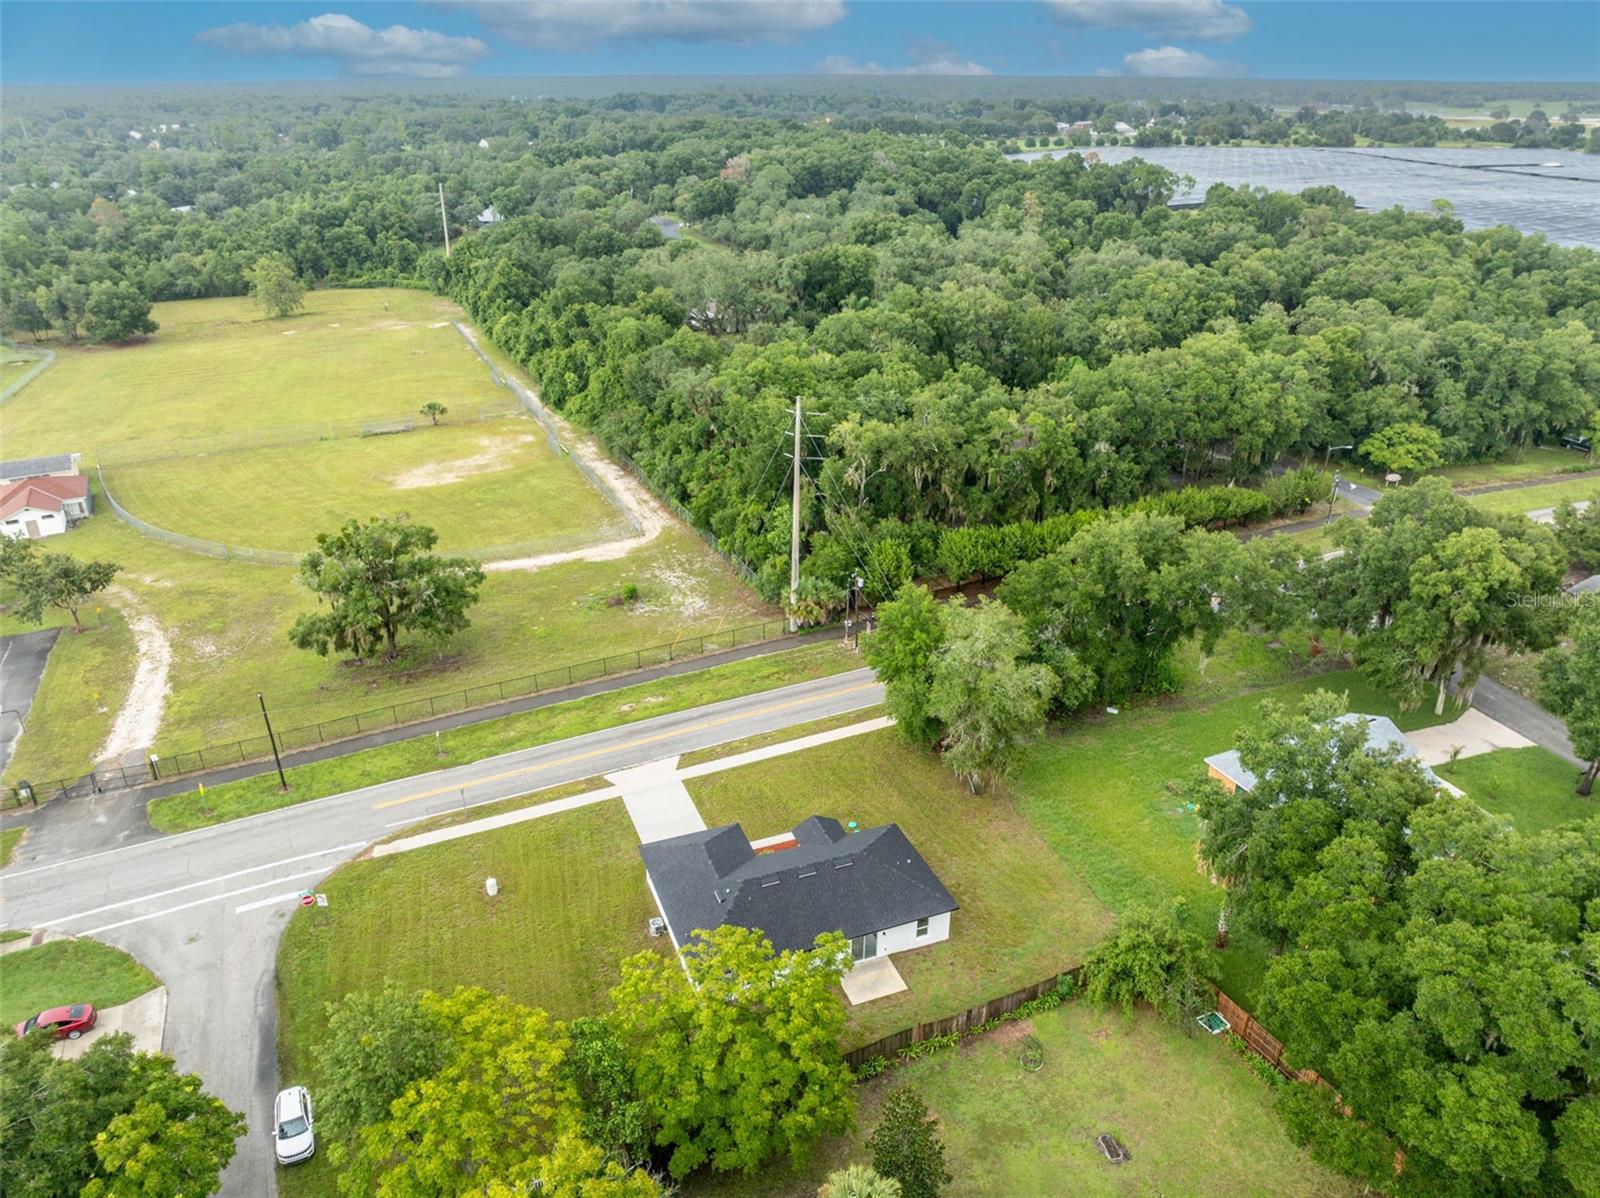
(144, 1018)
(1470, 736)
(22, 662)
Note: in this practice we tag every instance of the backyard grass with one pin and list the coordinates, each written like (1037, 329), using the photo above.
(1024, 912)
(85, 681)
(1532, 787)
(10, 838)
(1196, 1121)
(68, 971)
(572, 905)
(481, 485)
(474, 742)
(1529, 499)
(1103, 793)
(218, 366)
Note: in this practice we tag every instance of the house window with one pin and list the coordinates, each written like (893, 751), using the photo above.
(922, 927)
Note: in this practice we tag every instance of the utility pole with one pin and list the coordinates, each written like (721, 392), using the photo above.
(273, 741)
(794, 529)
(445, 221)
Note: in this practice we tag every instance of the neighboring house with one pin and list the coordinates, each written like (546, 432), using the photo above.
(43, 507)
(1589, 586)
(59, 465)
(871, 885)
(1382, 735)
(483, 143)
(489, 216)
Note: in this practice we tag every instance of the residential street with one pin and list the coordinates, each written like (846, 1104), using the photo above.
(204, 909)
(1524, 716)
(22, 661)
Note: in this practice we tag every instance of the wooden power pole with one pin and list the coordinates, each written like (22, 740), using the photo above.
(445, 221)
(794, 528)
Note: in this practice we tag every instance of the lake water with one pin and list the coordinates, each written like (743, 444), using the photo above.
(1554, 192)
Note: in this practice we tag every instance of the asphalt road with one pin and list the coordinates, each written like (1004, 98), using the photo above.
(22, 660)
(204, 909)
(1525, 716)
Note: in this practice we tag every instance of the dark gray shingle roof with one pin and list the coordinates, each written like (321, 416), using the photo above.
(831, 880)
(28, 467)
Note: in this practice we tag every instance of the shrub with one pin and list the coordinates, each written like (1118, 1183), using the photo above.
(1149, 957)
(906, 1146)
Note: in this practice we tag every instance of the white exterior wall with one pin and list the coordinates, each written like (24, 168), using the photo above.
(897, 940)
(50, 523)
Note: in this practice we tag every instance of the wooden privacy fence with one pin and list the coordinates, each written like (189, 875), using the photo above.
(1260, 1041)
(973, 1017)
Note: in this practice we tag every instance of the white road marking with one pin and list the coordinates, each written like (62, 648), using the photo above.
(285, 897)
(215, 898)
(145, 898)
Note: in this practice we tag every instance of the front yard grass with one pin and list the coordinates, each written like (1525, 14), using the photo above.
(473, 742)
(572, 904)
(60, 972)
(1533, 787)
(1024, 912)
(1195, 1119)
(1103, 792)
(9, 839)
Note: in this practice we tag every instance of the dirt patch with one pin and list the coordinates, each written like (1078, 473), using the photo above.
(497, 454)
(388, 326)
(139, 720)
(678, 590)
(1006, 1034)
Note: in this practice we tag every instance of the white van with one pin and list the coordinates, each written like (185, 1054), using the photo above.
(294, 1140)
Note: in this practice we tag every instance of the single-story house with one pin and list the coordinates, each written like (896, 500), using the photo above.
(58, 465)
(43, 507)
(489, 216)
(1382, 735)
(872, 885)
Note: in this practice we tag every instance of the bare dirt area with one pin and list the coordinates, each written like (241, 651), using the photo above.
(498, 453)
(140, 718)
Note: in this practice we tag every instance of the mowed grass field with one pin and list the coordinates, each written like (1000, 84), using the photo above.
(218, 366)
(1530, 499)
(479, 485)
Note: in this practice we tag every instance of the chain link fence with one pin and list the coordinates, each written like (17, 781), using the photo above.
(232, 553)
(740, 567)
(165, 765)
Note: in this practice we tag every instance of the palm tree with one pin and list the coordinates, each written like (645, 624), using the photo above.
(859, 1181)
(433, 409)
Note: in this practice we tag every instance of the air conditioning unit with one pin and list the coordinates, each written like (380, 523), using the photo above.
(657, 925)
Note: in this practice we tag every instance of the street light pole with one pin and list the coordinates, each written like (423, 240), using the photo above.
(273, 741)
(1328, 452)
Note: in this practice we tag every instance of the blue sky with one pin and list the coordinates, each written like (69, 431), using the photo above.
(133, 42)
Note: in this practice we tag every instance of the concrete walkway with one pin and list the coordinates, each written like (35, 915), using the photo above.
(1474, 734)
(658, 803)
(870, 979)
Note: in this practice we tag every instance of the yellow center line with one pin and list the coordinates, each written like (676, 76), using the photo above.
(629, 744)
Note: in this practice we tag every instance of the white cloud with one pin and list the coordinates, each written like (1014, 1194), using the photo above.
(570, 25)
(928, 57)
(358, 49)
(1204, 20)
(1171, 62)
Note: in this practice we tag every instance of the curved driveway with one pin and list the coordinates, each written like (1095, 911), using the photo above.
(204, 909)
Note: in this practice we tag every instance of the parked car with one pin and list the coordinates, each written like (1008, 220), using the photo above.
(67, 1023)
(1579, 443)
(296, 1139)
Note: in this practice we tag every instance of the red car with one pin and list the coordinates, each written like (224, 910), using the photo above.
(67, 1023)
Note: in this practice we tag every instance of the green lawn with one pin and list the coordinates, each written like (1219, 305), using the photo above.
(85, 681)
(1024, 912)
(1529, 499)
(1196, 1121)
(572, 905)
(1103, 793)
(479, 485)
(68, 971)
(10, 838)
(1533, 787)
(218, 366)
(475, 741)
(1536, 462)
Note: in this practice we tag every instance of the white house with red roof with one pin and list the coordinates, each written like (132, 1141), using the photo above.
(42, 497)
